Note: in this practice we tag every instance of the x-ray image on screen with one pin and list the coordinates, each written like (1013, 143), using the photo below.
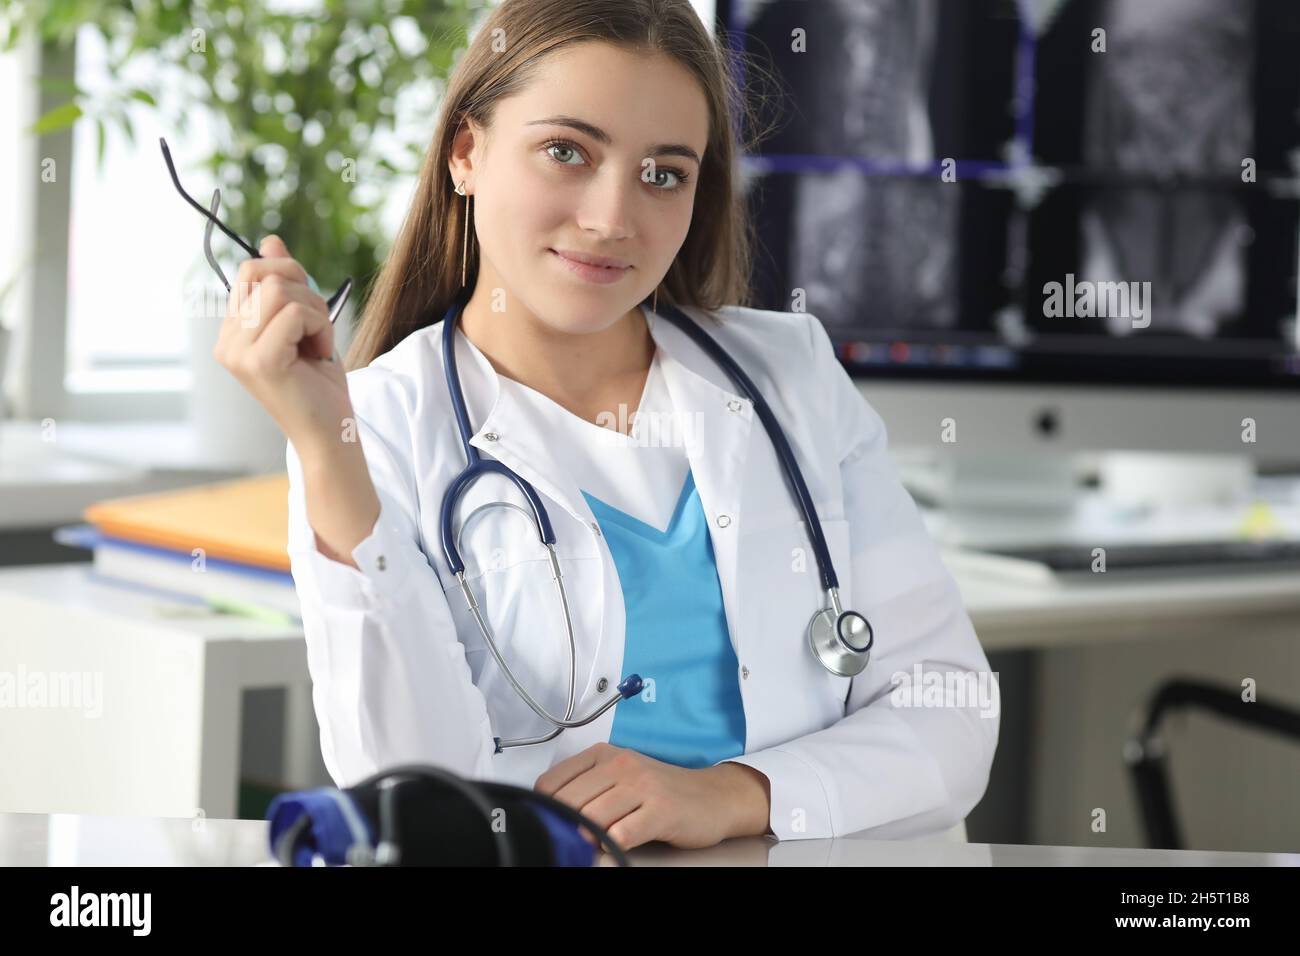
(935, 167)
(867, 249)
(857, 71)
(1151, 112)
(863, 239)
(851, 232)
(882, 91)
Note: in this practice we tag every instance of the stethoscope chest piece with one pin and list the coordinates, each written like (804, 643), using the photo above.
(841, 639)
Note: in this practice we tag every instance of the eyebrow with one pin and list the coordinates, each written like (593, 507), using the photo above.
(600, 136)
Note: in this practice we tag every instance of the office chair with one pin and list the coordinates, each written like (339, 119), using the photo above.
(1146, 754)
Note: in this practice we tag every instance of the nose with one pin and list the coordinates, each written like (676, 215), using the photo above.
(606, 204)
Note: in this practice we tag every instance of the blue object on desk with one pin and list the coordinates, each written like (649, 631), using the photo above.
(88, 537)
(420, 815)
(323, 822)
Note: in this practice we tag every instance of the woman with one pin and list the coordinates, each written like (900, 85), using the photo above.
(576, 129)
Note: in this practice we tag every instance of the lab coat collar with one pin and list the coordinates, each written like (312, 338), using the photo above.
(719, 425)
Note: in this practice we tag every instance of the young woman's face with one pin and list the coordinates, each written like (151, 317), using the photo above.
(623, 188)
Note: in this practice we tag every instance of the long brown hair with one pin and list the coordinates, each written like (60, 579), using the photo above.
(422, 274)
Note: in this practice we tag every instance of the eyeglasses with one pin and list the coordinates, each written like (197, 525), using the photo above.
(335, 302)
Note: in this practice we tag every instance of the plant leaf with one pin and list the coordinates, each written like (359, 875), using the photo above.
(56, 119)
(61, 84)
(124, 121)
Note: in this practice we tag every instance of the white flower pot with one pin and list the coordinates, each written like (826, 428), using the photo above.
(233, 429)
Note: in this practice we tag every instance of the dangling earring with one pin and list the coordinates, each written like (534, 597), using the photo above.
(464, 247)
(654, 306)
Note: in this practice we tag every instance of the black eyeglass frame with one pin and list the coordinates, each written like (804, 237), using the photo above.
(335, 302)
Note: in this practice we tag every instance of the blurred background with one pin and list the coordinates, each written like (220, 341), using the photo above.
(1054, 241)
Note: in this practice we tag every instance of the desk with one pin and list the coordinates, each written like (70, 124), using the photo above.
(163, 737)
(1012, 616)
(38, 839)
(168, 742)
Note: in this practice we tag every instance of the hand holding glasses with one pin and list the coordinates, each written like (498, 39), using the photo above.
(335, 302)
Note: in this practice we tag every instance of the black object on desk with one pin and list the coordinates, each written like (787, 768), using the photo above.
(1182, 556)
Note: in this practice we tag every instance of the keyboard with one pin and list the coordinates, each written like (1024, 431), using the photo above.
(1179, 557)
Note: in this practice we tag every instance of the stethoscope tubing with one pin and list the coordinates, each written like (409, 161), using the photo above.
(477, 466)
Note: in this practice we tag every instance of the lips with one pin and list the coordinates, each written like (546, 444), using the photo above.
(607, 262)
(597, 274)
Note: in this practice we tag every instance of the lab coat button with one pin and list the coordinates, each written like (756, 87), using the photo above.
(595, 528)
(491, 436)
(744, 673)
(724, 520)
(381, 563)
(602, 685)
(734, 405)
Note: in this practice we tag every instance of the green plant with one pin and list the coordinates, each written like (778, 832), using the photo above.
(303, 104)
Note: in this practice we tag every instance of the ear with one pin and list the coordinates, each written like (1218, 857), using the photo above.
(464, 148)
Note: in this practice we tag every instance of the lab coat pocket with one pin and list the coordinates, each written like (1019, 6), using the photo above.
(782, 591)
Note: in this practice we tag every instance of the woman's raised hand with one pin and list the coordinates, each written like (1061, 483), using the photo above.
(277, 340)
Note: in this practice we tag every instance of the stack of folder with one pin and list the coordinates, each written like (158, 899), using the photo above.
(223, 544)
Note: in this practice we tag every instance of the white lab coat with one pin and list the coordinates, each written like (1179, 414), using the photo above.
(401, 673)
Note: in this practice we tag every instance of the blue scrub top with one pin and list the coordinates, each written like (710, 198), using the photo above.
(690, 713)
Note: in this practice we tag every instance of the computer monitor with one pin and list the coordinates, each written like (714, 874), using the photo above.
(1038, 228)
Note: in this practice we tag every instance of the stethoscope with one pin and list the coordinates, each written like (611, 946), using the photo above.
(834, 634)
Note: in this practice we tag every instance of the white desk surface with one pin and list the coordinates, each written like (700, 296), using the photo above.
(76, 586)
(1014, 615)
(1006, 615)
(137, 639)
(38, 839)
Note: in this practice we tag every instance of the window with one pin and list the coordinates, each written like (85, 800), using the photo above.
(136, 272)
(13, 253)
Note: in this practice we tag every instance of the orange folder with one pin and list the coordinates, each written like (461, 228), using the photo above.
(245, 520)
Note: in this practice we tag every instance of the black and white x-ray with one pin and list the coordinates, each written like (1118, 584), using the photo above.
(1150, 113)
(1171, 98)
(879, 92)
(1154, 143)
